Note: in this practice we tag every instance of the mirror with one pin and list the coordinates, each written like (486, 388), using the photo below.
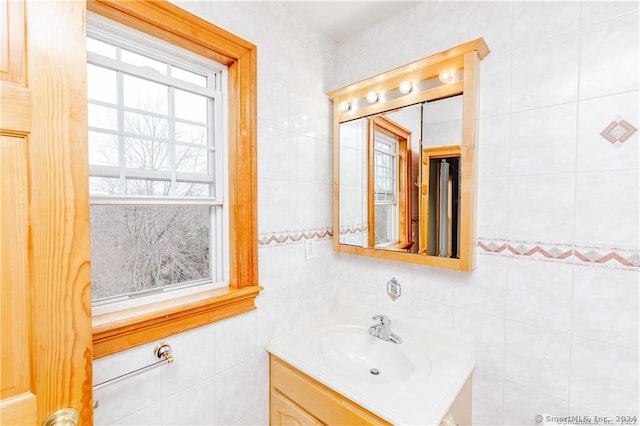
(405, 175)
(385, 159)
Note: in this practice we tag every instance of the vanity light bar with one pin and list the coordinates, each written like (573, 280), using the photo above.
(405, 87)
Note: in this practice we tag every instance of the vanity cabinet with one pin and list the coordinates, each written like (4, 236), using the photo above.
(297, 399)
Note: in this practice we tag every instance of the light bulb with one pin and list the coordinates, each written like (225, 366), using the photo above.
(372, 97)
(447, 76)
(405, 87)
(344, 106)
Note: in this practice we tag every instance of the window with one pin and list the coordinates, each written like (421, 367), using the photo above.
(155, 165)
(386, 188)
(389, 176)
(124, 328)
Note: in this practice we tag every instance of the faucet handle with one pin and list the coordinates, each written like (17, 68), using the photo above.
(382, 319)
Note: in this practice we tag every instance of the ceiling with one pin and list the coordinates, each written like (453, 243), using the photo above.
(342, 19)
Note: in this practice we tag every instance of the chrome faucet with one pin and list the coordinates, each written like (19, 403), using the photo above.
(382, 329)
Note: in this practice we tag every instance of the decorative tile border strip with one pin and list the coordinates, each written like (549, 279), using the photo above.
(281, 238)
(354, 229)
(607, 257)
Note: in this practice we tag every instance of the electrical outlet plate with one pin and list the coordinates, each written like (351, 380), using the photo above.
(309, 249)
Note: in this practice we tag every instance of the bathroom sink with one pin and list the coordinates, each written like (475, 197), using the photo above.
(413, 382)
(354, 352)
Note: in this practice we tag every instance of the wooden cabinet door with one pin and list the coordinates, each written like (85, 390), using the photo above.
(45, 297)
(286, 413)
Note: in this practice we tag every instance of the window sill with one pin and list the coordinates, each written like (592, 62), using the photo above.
(116, 331)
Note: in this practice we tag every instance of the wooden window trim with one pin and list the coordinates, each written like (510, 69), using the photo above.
(403, 136)
(120, 330)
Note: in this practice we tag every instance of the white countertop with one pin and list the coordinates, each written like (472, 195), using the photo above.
(422, 398)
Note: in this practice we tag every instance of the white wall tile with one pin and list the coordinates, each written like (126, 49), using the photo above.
(522, 405)
(489, 334)
(324, 162)
(537, 358)
(300, 206)
(607, 208)
(193, 360)
(490, 20)
(543, 140)
(597, 294)
(273, 154)
(321, 216)
(302, 160)
(604, 377)
(239, 337)
(273, 319)
(493, 146)
(541, 208)
(273, 264)
(395, 25)
(301, 117)
(234, 17)
(192, 406)
(127, 396)
(482, 290)
(593, 12)
(594, 152)
(609, 57)
(272, 195)
(363, 270)
(492, 207)
(495, 85)
(433, 284)
(363, 293)
(235, 393)
(539, 294)
(273, 46)
(436, 30)
(203, 10)
(395, 52)
(306, 71)
(148, 416)
(434, 313)
(545, 73)
(487, 399)
(536, 21)
(273, 103)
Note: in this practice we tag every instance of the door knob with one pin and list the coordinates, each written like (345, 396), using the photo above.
(63, 417)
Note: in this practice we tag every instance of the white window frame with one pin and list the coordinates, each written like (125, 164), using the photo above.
(111, 32)
(392, 219)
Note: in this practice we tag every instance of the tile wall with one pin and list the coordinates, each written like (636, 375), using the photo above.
(557, 332)
(553, 301)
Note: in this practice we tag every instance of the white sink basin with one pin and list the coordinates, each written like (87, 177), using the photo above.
(352, 351)
(418, 379)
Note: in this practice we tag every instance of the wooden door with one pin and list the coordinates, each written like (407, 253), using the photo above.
(45, 300)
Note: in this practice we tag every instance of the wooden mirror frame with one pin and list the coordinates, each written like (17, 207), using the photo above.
(463, 58)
